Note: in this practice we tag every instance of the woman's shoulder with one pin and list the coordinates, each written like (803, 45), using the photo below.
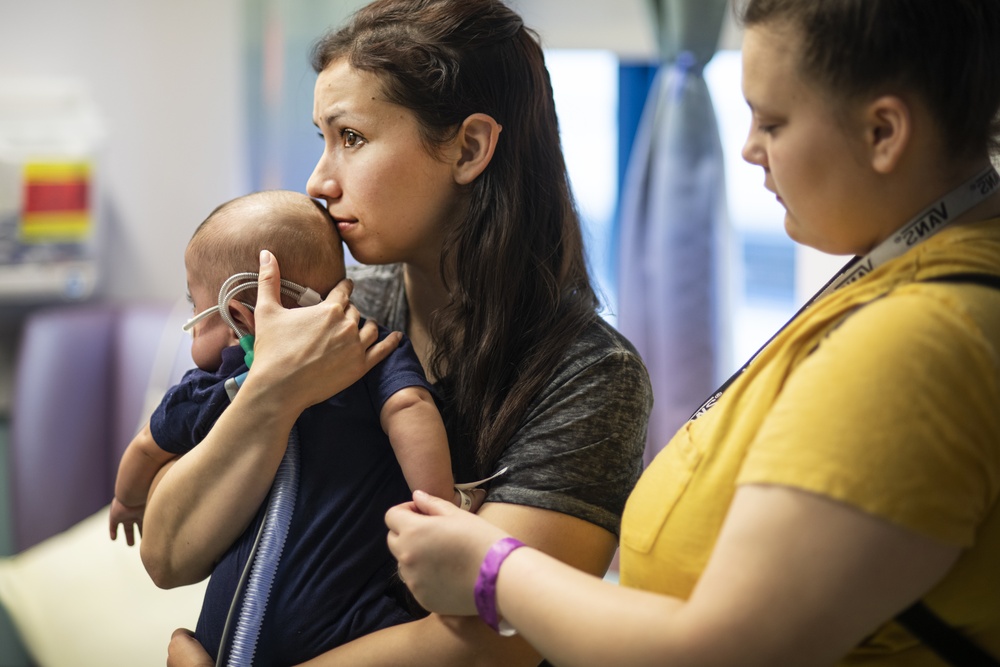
(378, 293)
(602, 359)
(600, 342)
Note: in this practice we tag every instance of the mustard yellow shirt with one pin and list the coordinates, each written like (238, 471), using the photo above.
(893, 408)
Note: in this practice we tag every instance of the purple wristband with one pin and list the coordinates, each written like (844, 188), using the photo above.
(485, 591)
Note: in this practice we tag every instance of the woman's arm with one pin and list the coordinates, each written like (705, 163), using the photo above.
(443, 641)
(208, 497)
(795, 579)
(440, 641)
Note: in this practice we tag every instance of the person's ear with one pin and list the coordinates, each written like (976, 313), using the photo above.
(242, 315)
(888, 132)
(476, 142)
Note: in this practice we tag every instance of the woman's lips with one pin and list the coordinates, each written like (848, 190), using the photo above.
(345, 225)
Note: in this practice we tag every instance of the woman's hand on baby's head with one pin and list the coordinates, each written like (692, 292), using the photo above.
(311, 353)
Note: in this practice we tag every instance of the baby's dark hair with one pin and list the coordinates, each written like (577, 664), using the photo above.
(295, 228)
(947, 52)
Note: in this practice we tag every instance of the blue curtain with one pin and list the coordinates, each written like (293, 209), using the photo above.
(671, 218)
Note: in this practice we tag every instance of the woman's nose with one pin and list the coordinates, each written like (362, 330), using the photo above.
(322, 184)
(752, 151)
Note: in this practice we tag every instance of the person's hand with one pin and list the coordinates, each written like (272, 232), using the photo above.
(129, 518)
(185, 651)
(476, 496)
(439, 549)
(307, 354)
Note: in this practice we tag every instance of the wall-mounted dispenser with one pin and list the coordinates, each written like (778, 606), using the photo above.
(50, 222)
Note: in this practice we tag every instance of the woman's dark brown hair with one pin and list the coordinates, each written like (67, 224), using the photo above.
(945, 51)
(514, 266)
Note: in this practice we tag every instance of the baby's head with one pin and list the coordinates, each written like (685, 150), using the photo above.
(294, 227)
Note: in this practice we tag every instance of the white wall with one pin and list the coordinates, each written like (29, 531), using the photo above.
(168, 79)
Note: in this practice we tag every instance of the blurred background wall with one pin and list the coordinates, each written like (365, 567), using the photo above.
(203, 101)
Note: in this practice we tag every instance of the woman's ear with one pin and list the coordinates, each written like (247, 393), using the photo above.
(476, 141)
(242, 315)
(888, 132)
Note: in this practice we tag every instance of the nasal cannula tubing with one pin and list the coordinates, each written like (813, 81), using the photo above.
(233, 285)
(304, 296)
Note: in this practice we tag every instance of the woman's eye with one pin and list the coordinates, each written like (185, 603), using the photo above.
(767, 128)
(352, 139)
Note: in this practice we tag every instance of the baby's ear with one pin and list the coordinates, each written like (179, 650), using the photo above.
(242, 315)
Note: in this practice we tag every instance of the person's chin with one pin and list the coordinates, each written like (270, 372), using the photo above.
(792, 229)
(797, 233)
(366, 255)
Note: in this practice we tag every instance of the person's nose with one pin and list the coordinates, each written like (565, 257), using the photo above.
(753, 152)
(323, 183)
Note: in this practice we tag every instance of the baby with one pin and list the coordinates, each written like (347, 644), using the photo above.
(361, 451)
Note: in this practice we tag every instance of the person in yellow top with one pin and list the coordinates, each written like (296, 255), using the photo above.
(852, 468)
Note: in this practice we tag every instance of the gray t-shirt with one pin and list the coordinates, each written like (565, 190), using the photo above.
(579, 450)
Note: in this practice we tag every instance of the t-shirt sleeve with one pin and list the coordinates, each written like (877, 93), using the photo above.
(190, 408)
(399, 370)
(895, 413)
(580, 449)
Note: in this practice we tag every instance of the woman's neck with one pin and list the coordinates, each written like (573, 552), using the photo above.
(901, 197)
(425, 294)
(987, 209)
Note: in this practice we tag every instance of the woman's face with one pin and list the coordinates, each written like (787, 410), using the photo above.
(391, 199)
(813, 158)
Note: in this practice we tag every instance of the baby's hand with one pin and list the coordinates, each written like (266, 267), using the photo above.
(129, 517)
(469, 499)
(469, 496)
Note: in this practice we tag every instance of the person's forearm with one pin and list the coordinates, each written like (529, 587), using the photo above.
(419, 441)
(432, 642)
(209, 496)
(140, 462)
(135, 476)
(576, 619)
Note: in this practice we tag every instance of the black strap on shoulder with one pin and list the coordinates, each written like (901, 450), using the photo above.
(984, 279)
(950, 644)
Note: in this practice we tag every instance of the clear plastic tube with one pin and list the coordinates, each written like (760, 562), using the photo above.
(274, 530)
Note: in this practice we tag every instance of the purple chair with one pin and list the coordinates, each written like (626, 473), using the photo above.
(80, 389)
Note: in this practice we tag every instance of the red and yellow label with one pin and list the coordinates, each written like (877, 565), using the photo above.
(56, 202)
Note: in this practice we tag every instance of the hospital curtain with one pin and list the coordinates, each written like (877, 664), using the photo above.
(671, 218)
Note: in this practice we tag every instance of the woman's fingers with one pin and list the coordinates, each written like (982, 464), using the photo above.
(439, 548)
(401, 516)
(341, 294)
(376, 352)
(425, 503)
(311, 353)
(268, 280)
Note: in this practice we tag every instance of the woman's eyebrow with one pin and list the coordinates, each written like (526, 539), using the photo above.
(329, 119)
